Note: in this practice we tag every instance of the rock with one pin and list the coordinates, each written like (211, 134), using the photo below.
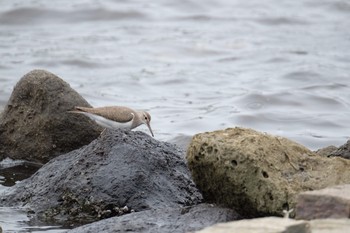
(261, 225)
(172, 220)
(327, 151)
(333, 202)
(258, 174)
(119, 172)
(35, 124)
(276, 225)
(343, 151)
(330, 225)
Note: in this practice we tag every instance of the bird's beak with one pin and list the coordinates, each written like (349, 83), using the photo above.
(149, 127)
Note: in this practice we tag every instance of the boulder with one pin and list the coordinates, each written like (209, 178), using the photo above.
(281, 225)
(342, 151)
(327, 151)
(258, 174)
(174, 220)
(35, 124)
(119, 172)
(332, 202)
(261, 225)
(330, 225)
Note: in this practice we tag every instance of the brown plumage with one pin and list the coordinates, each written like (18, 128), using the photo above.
(116, 117)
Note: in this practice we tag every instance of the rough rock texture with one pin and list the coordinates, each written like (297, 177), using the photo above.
(343, 151)
(333, 202)
(169, 220)
(261, 225)
(35, 124)
(258, 174)
(118, 169)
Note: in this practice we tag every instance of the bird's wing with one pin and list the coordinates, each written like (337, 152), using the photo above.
(114, 113)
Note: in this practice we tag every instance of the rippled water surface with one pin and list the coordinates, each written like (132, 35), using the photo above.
(277, 66)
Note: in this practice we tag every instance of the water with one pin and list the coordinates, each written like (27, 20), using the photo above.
(15, 220)
(282, 67)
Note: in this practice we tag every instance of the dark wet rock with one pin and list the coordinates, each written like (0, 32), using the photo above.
(258, 174)
(35, 124)
(174, 220)
(342, 151)
(118, 169)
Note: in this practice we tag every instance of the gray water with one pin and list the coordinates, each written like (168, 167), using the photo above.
(282, 67)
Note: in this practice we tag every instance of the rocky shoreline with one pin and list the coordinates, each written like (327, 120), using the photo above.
(118, 181)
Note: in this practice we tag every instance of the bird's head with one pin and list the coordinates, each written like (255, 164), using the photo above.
(146, 119)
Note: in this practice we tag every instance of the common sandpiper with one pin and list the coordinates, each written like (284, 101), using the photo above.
(116, 117)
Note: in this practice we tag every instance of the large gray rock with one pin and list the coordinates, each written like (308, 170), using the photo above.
(281, 225)
(342, 151)
(261, 225)
(259, 174)
(326, 151)
(332, 202)
(35, 124)
(168, 220)
(118, 169)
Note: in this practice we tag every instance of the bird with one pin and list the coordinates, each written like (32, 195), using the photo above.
(116, 117)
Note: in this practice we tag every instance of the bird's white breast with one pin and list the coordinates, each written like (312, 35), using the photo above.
(106, 123)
